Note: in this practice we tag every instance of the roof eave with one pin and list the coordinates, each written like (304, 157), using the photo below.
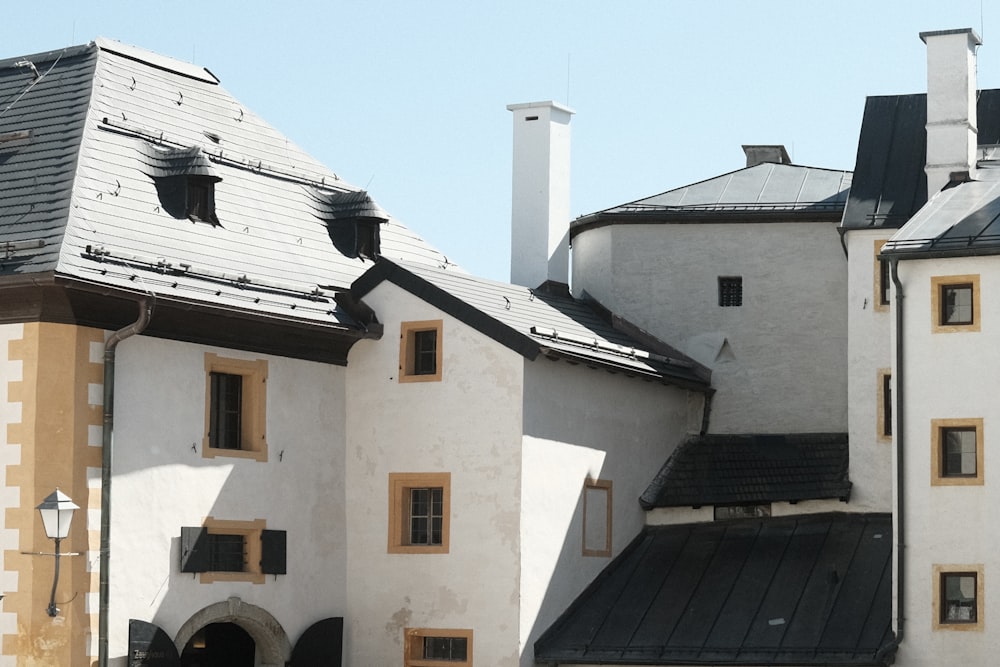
(699, 216)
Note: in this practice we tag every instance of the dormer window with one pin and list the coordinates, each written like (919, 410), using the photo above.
(200, 201)
(352, 220)
(185, 182)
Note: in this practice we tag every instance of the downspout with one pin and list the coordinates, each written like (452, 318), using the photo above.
(145, 311)
(887, 654)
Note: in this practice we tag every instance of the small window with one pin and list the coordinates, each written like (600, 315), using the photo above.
(883, 279)
(958, 597)
(235, 416)
(955, 303)
(752, 511)
(224, 550)
(884, 431)
(227, 553)
(730, 291)
(958, 452)
(419, 512)
(597, 517)
(429, 647)
(957, 456)
(420, 351)
(200, 199)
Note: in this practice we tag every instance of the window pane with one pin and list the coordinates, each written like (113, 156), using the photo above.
(226, 411)
(425, 352)
(226, 553)
(426, 516)
(445, 648)
(959, 598)
(731, 291)
(956, 304)
(959, 451)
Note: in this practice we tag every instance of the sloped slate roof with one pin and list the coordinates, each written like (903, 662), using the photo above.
(735, 469)
(889, 180)
(111, 119)
(47, 112)
(766, 191)
(806, 590)
(533, 322)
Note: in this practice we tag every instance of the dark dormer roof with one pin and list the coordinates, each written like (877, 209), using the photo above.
(889, 180)
(805, 590)
(743, 469)
(165, 162)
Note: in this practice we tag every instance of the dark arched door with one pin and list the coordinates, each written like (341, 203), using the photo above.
(219, 645)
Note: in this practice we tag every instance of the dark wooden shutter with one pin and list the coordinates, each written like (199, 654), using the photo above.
(321, 645)
(272, 551)
(149, 646)
(195, 556)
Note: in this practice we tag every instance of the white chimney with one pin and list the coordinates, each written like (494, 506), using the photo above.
(540, 211)
(951, 105)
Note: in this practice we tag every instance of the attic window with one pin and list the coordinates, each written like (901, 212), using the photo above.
(353, 221)
(730, 291)
(200, 199)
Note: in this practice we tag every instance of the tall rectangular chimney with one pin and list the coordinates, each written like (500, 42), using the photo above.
(540, 201)
(951, 105)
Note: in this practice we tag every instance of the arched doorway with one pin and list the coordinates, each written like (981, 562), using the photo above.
(220, 645)
(268, 638)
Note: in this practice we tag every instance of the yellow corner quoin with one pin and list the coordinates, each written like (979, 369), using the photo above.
(60, 395)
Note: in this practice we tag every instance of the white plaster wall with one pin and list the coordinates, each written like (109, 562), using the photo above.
(162, 482)
(869, 348)
(10, 455)
(579, 423)
(949, 375)
(777, 361)
(468, 424)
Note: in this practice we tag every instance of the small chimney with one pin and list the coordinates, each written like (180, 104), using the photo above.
(761, 154)
(540, 202)
(951, 105)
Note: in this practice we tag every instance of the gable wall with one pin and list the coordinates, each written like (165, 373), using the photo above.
(467, 424)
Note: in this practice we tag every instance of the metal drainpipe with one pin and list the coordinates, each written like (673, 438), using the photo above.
(145, 311)
(888, 652)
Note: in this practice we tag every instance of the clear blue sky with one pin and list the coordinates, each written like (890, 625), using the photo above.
(408, 98)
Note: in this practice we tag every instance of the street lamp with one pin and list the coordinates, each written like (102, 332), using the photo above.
(57, 513)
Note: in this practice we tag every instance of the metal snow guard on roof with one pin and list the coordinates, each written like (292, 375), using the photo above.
(800, 590)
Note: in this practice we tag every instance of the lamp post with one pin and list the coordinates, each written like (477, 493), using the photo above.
(57, 513)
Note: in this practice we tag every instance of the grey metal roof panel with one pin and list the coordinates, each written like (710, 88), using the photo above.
(533, 322)
(735, 469)
(763, 187)
(959, 220)
(807, 590)
(124, 117)
(890, 185)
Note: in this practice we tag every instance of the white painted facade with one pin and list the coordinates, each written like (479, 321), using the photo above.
(778, 361)
(520, 438)
(869, 351)
(162, 482)
(946, 524)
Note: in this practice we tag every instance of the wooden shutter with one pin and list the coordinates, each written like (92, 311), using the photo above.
(272, 551)
(321, 645)
(195, 556)
(149, 646)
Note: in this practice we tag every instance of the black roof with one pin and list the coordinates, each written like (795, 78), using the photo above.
(730, 469)
(889, 181)
(803, 590)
